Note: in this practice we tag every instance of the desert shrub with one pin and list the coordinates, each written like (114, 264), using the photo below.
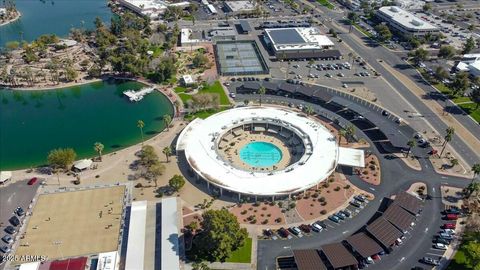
(323, 212)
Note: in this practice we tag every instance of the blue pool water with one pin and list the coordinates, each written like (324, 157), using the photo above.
(260, 154)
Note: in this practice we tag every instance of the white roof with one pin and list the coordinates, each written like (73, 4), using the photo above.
(29, 266)
(211, 8)
(170, 246)
(5, 176)
(185, 34)
(200, 138)
(82, 164)
(108, 261)
(405, 18)
(351, 157)
(188, 79)
(237, 6)
(136, 236)
(311, 37)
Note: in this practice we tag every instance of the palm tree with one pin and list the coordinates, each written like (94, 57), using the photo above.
(350, 131)
(246, 101)
(310, 64)
(309, 110)
(98, 147)
(453, 162)
(411, 144)
(448, 138)
(342, 133)
(261, 92)
(140, 125)
(475, 170)
(167, 119)
(167, 151)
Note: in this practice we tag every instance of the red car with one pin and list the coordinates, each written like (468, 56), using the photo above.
(32, 181)
(452, 217)
(449, 226)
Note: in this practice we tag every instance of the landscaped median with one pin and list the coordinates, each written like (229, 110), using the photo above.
(326, 4)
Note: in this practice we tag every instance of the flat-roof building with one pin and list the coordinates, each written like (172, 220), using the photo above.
(404, 22)
(239, 58)
(299, 42)
(469, 63)
(240, 6)
(150, 8)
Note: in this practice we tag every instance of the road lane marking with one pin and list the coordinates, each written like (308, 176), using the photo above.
(402, 259)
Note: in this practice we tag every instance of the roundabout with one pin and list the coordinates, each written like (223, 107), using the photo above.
(262, 151)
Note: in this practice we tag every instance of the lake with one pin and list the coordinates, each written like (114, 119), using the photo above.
(35, 122)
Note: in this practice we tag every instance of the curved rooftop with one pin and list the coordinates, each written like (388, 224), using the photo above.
(199, 141)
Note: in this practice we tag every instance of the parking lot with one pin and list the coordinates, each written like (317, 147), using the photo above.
(18, 194)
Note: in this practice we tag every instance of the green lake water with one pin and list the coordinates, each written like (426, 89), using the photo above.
(53, 17)
(34, 122)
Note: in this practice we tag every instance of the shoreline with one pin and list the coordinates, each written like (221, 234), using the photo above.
(12, 20)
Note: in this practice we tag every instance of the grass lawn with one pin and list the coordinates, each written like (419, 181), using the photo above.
(470, 109)
(216, 87)
(203, 114)
(185, 97)
(243, 254)
(326, 4)
(180, 89)
(361, 29)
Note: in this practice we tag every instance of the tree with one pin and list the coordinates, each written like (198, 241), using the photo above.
(148, 156)
(176, 182)
(98, 147)
(167, 151)
(418, 55)
(475, 96)
(193, 226)
(342, 133)
(383, 31)
(469, 45)
(454, 162)
(427, 7)
(310, 66)
(350, 131)
(200, 266)
(94, 71)
(450, 131)
(220, 237)
(475, 170)
(261, 92)
(332, 32)
(199, 60)
(309, 110)
(441, 73)
(472, 188)
(447, 52)
(155, 171)
(352, 19)
(246, 101)
(411, 144)
(12, 45)
(472, 252)
(460, 83)
(167, 120)
(141, 125)
(61, 158)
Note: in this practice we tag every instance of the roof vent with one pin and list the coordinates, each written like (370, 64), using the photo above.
(417, 22)
(394, 9)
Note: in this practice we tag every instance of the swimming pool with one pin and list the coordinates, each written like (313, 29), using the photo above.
(260, 154)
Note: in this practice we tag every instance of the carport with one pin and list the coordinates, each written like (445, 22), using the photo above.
(339, 257)
(363, 245)
(308, 259)
(384, 232)
(409, 202)
(399, 217)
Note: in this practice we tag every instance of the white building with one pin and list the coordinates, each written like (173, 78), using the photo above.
(240, 6)
(151, 8)
(3, 11)
(212, 9)
(185, 37)
(405, 22)
(108, 261)
(300, 42)
(136, 236)
(470, 63)
(188, 80)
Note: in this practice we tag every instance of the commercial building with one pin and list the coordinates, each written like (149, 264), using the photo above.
(240, 6)
(150, 8)
(300, 42)
(222, 33)
(186, 37)
(469, 63)
(405, 23)
(239, 58)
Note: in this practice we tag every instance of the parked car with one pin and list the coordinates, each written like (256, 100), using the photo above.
(7, 239)
(269, 233)
(448, 231)
(322, 224)
(355, 203)
(369, 260)
(360, 198)
(449, 226)
(347, 212)
(32, 181)
(340, 215)
(296, 231)
(430, 261)
(305, 228)
(442, 241)
(452, 210)
(446, 236)
(5, 249)
(14, 221)
(317, 227)
(19, 211)
(10, 229)
(376, 257)
(451, 217)
(440, 246)
(334, 218)
(284, 233)
(385, 113)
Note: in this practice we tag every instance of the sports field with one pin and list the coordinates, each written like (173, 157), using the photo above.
(74, 223)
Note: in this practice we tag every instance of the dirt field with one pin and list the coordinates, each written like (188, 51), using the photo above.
(74, 223)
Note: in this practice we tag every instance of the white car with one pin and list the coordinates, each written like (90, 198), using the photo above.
(369, 260)
(233, 95)
(344, 85)
(440, 246)
(448, 231)
(317, 227)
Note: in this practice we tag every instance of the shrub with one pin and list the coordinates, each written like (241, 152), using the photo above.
(311, 204)
(364, 172)
(251, 208)
(372, 167)
(321, 199)
(269, 215)
(243, 212)
(337, 189)
(262, 215)
(324, 203)
(326, 185)
(315, 195)
(323, 212)
(280, 204)
(265, 221)
(278, 220)
(256, 204)
(346, 187)
(272, 203)
(292, 205)
(331, 180)
(138, 185)
(264, 208)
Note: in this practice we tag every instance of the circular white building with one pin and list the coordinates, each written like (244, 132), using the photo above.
(261, 151)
